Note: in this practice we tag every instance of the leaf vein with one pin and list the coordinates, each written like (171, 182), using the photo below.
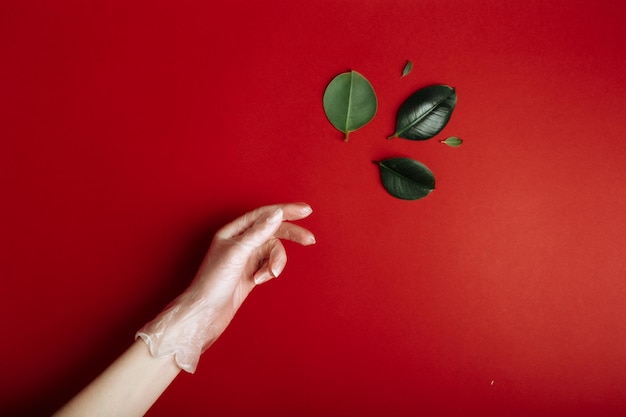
(397, 174)
(349, 111)
(426, 114)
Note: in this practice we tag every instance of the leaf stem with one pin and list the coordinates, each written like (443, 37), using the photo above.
(395, 135)
(345, 139)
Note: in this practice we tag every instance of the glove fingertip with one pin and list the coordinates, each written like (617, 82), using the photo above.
(263, 277)
(277, 267)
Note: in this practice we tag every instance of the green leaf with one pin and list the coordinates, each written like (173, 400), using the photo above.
(406, 178)
(407, 68)
(425, 113)
(350, 102)
(453, 141)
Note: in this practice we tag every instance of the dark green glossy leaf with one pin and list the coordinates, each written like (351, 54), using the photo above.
(453, 141)
(407, 68)
(350, 102)
(425, 113)
(406, 178)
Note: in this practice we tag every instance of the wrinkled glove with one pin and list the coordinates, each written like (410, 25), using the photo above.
(244, 253)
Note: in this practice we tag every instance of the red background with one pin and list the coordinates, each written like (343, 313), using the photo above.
(131, 130)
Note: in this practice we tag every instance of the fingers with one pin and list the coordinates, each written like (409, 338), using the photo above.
(291, 211)
(243, 223)
(295, 233)
(262, 230)
(277, 259)
(295, 211)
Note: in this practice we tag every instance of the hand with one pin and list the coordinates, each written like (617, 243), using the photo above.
(244, 253)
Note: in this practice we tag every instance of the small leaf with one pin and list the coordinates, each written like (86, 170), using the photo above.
(453, 141)
(406, 178)
(350, 102)
(425, 113)
(407, 68)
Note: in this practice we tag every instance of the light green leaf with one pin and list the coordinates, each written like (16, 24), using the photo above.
(406, 178)
(407, 68)
(453, 141)
(425, 113)
(350, 102)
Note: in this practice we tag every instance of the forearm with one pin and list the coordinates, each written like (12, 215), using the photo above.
(128, 387)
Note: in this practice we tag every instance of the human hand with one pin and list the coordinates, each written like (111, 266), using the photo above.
(244, 253)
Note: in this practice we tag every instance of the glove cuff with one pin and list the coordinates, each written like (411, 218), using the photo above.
(183, 330)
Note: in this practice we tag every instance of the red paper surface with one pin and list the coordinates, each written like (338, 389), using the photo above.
(131, 131)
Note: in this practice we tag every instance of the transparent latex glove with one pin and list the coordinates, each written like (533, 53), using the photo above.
(244, 253)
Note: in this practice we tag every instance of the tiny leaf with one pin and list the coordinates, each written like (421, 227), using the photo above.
(406, 178)
(425, 113)
(350, 102)
(407, 68)
(453, 141)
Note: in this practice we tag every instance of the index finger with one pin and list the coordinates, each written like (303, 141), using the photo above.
(295, 211)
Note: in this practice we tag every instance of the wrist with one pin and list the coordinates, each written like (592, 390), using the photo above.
(183, 330)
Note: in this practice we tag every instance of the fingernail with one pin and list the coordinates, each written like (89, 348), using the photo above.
(306, 210)
(276, 217)
(312, 239)
(275, 270)
(262, 278)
